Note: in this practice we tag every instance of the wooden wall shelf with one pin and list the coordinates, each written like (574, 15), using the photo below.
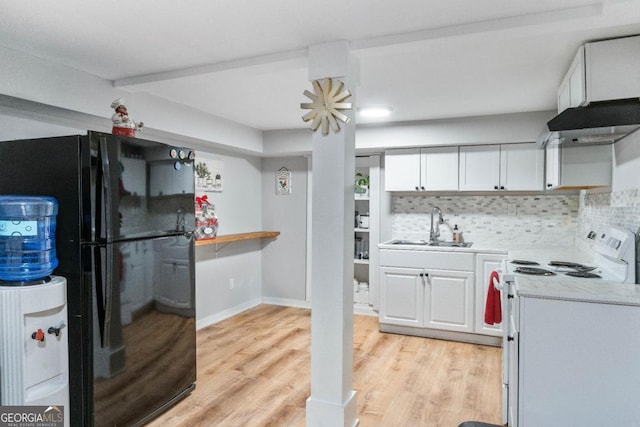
(238, 237)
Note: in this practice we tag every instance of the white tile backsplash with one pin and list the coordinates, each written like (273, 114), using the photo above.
(540, 220)
(621, 209)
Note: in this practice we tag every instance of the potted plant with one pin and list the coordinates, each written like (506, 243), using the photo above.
(362, 185)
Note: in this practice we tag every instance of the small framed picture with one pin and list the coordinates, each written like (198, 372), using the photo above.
(283, 182)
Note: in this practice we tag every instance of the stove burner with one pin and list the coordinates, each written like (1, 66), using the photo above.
(523, 262)
(535, 271)
(573, 265)
(584, 274)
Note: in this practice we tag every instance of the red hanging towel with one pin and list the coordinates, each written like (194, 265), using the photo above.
(493, 310)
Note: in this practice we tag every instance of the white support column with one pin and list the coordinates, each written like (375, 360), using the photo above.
(332, 401)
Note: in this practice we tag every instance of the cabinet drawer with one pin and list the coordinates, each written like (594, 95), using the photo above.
(442, 260)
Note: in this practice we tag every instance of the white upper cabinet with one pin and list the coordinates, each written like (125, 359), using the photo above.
(578, 167)
(572, 91)
(480, 168)
(402, 169)
(439, 171)
(422, 169)
(521, 167)
(509, 167)
(602, 71)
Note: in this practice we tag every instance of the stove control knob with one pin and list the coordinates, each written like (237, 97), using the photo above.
(38, 335)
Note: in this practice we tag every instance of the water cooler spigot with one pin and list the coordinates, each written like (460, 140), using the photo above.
(38, 335)
(55, 329)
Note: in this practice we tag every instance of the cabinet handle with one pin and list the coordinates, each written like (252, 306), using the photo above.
(502, 187)
(549, 185)
(422, 188)
(495, 187)
(509, 338)
(417, 188)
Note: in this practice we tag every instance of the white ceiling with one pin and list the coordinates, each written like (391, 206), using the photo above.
(246, 60)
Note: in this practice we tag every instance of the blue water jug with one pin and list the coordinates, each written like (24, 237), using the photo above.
(27, 237)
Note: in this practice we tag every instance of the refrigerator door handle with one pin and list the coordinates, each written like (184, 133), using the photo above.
(99, 291)
(109, 277)
(104, 277)
(106, 186)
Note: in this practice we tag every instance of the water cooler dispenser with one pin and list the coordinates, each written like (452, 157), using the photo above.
(34, 368)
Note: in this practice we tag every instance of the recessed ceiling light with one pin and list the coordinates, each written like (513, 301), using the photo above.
(375, 111)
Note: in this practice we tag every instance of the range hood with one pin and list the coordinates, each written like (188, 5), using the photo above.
(602, 122)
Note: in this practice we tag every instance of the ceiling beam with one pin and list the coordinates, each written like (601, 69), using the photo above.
(473, 28)
(213, 68)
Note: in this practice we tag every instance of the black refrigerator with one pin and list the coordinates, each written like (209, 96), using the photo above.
(125, 244)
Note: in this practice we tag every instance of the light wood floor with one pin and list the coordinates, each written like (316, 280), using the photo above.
(254, 370)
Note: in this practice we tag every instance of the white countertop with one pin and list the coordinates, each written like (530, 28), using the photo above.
(565, 287)
(559, 286)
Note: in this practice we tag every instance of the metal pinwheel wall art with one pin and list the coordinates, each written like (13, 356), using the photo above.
(326, 102)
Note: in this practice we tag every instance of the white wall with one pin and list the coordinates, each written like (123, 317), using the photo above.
(237, 264)
(498, 129)
(284, 259)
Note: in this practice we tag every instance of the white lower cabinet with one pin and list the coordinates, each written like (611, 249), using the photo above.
(485, 265)
(448, 302)
(422, 298)
(402, 293)
(438, 294)
(576, 364)
(427, 297)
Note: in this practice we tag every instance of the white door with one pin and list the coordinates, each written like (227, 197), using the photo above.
(402, 170)
(401, 296)
(439, 169)
(448, 302)
(480, 168)
(485, 265)
(521, 167)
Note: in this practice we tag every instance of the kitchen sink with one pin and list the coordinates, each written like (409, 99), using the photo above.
(427, 243)
(451, 244)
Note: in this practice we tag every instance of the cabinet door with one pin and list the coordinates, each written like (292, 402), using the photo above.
(401, 296)
(572, 91)
(480, 168)
(485, 265)
(402, 170)
(552, 154)
(439, 171)
(448, 302)
(521, 167)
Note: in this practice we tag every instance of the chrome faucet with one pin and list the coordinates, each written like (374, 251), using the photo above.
(434, 233)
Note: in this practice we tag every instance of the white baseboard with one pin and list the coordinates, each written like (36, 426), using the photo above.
(217, 317)
(286, 302)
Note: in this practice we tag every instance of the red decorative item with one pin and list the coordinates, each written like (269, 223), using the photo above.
(206, 219)
(123, 125)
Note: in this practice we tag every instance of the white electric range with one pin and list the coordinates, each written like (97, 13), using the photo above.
(565, 290)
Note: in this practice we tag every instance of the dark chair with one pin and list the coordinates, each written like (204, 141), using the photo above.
(478, 424)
